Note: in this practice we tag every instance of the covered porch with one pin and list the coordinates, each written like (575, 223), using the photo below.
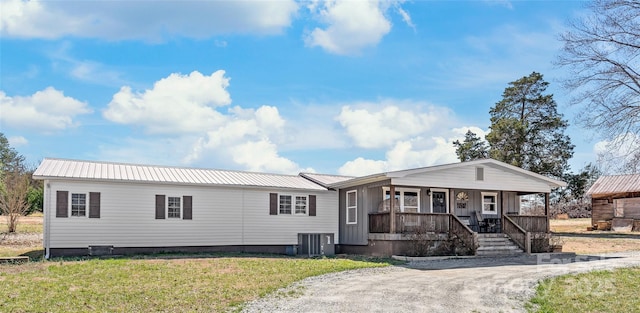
(461, 214)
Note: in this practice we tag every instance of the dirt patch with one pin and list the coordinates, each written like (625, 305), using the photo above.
(576, 238)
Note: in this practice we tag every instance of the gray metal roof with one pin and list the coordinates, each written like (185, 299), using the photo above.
(74, 169)
(615, 184)
(325, 179)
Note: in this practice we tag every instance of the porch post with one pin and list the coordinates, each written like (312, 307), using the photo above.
(392, 209)
(546, 210)
(502, 210)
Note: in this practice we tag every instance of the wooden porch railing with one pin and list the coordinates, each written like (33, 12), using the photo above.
(428, 222)
(379, 222)
(531, 223)
(520, 236)
(468, 237)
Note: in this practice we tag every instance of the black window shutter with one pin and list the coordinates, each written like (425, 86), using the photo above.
(62, 203)
(160, 207)
(94, 205)
(312, 205)
(187, 207)
(273, 204)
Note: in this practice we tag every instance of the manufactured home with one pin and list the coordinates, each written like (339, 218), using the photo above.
(462, 208)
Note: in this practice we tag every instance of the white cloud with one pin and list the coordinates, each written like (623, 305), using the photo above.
(417, 147)
(175, 104)
(184, 110)
(16, 141)
(376, 125)
(350, 25)
(83, 70)
(46, 110)
(144, 19)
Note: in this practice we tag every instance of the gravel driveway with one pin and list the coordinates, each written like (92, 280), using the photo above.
(454, 285)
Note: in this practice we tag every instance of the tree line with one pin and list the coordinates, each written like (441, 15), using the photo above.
(20, 194)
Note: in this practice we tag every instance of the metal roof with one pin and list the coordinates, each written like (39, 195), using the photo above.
(615, 184)
(325, 179)
(74, 169)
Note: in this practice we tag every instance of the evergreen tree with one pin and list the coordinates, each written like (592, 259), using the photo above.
(527, 131)
(472, 148)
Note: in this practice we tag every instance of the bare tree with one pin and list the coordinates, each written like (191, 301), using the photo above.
(602, 52)
(13, 197)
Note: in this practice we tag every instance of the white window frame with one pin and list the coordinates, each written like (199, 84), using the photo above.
(86, 204)
(495, 202)
(294, 205)
(180, 205)
(401, 191)
(446, 198)
(354, 207)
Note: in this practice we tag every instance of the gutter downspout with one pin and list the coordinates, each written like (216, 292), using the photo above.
(47, 219)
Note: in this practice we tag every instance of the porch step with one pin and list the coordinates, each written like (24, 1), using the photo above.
(496, 245)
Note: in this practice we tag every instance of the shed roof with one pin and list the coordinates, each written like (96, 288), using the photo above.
(615, 184)
(325, 179)
(109, 171)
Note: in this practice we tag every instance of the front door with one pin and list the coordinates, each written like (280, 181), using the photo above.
(439, 201)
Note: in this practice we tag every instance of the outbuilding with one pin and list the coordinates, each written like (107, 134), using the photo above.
(615, 202)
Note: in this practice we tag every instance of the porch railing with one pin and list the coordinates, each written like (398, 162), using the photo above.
(428, 222)
(519, 235)
(531, 223)
(468, 237)
(379, 222)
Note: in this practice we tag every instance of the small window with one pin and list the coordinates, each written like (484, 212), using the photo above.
(352, 207)
(489, 203)
(173, 207)
(285, 204)
(78, 204)
(479, 173)
(301, 205)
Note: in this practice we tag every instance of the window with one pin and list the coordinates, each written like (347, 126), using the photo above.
(173, 207)
(352, 207)
(407, 199)
(301, 205)
(78, 204)
(285, 204)
(489, 203)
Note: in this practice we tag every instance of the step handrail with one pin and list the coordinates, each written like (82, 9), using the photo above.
(524, 244)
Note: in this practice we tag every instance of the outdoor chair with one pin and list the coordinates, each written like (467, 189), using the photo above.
(482, 224)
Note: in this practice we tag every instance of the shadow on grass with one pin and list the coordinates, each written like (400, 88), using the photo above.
(35, 255)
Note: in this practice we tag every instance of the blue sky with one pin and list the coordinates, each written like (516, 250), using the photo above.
(345, 87)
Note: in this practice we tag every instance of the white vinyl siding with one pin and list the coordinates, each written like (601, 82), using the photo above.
(221, 216)
(352, 207)
(464, 177)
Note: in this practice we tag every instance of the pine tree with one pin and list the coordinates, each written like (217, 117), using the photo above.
(527, 131)
(472, 148)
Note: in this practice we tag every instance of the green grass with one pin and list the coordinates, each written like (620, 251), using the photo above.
(598, 291)
(154, 285)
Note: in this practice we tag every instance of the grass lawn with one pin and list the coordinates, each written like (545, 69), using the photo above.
(577, 239)
(154, 285)
(600, 291)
